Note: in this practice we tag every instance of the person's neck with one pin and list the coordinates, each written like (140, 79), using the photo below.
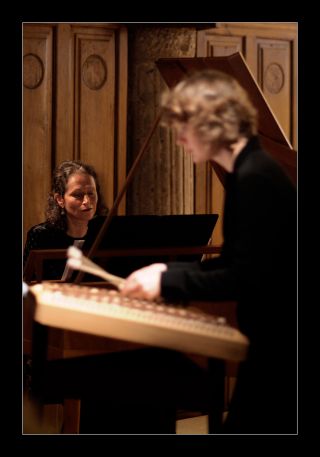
(227, 155)
(76, 228)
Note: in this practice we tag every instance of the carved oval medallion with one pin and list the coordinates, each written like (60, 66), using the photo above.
(94, 72)
(274, 78)
(33, 71)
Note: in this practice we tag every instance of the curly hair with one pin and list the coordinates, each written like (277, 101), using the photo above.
(61, 175)
(214, 103)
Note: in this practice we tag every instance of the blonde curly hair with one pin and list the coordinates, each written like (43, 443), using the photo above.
(214, 103)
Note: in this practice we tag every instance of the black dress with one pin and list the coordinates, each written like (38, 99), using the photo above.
(47, 236)
(258, 269)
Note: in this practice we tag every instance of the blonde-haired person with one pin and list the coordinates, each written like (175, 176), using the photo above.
(215, 121)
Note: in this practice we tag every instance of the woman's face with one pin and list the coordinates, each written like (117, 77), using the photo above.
(187, 137)
(80, 198)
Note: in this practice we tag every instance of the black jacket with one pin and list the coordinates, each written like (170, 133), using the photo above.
(257, 265)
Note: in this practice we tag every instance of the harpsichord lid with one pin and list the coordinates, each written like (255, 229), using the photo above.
(270, 132)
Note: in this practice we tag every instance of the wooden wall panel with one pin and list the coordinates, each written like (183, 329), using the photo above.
(217, 45)
(121, 114)
(274, 78)
(92, 120)
(37, 122)
(95, 102)
(64, 84)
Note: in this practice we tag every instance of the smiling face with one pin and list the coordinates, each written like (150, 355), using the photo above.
(80, 198)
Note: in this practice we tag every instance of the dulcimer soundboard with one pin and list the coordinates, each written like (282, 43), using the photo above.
(106, 313)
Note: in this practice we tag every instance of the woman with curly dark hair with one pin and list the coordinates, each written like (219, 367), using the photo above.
(74, 212)
(116, 389)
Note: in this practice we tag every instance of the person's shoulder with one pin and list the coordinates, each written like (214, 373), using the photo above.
(41, 228)
(256, 160)
(45, 236)
(44, 231)
(260, 173)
